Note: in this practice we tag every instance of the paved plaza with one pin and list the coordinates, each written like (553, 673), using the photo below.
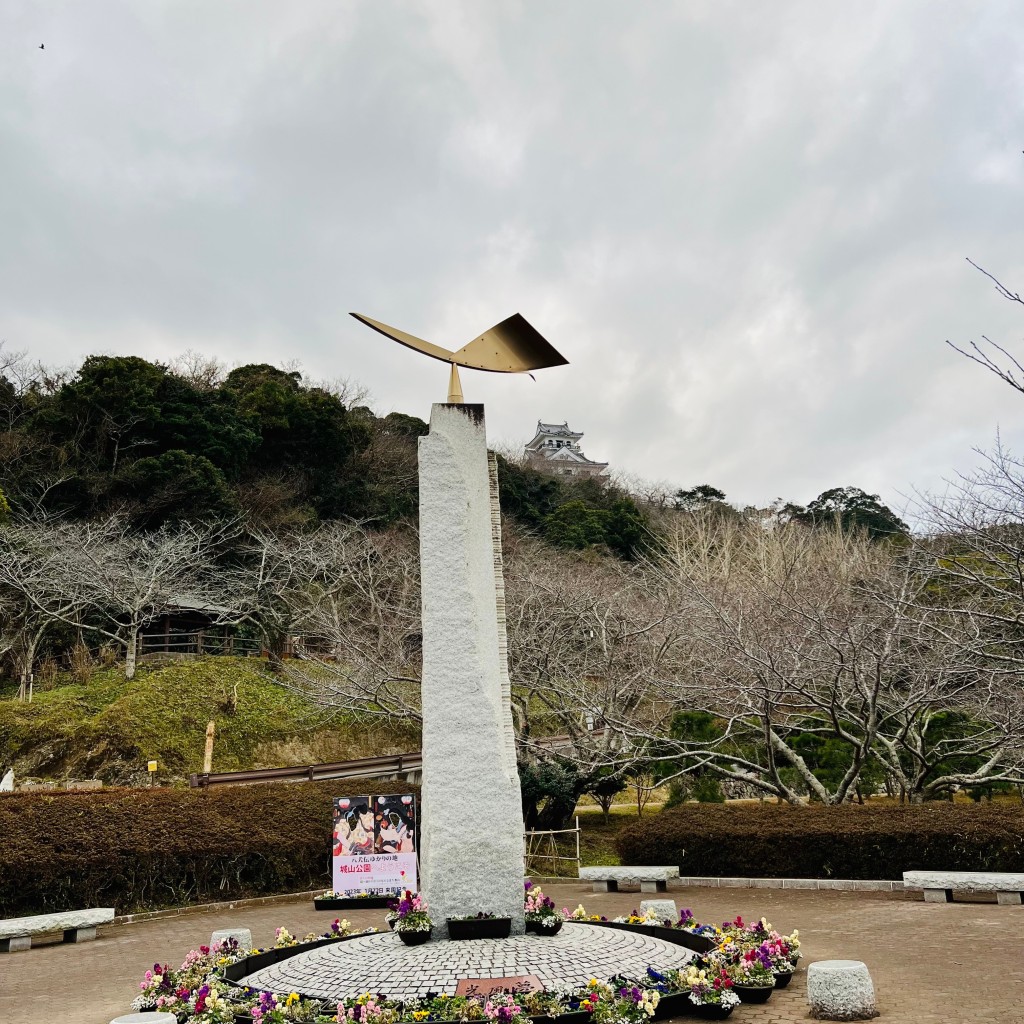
(931, 963)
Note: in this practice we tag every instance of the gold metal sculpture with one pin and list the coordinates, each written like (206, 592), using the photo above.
(513, 346)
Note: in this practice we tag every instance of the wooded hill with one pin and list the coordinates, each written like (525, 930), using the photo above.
(194, 441)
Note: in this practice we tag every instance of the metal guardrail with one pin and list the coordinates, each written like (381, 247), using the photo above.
(364, 767)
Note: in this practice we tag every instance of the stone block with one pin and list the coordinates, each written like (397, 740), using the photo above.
(1008, 899)
(967, 881)
(840, 990)
(79, 934)
(84, 784)
(63, 921)
(242, 935)
(630, 874)
(766, 883)
(656, 886)
(799, 883)
(938, 895)
(16, 944)
(665, 909)
(7, 782)
(734, 883)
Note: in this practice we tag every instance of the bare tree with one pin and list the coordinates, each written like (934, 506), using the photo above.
(120, 579)
(349, 601)
(205, 373)
(991, 354)
(808, 637)
(34, 595)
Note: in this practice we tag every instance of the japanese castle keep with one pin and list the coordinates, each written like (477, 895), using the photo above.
(556, 449)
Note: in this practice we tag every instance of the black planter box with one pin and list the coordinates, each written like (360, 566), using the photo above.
(257, 961)
(782, 980)
(570, 1017)
(537, 929)
(711, 1011)
(353, 903)
(753, 993)
(673, 1004)
(681, 937)
(479, 928)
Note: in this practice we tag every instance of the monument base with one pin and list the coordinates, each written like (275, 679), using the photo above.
(381, 963)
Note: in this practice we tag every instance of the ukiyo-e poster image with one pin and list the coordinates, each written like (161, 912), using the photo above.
(394, 824)
(374, 845)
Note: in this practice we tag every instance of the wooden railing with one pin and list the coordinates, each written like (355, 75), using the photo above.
(360, 768)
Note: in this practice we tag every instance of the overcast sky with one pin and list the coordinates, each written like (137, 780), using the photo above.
(744, 224)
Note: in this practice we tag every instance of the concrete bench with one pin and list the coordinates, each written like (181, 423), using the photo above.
(938, 886)
(650, 879)
(77, 926)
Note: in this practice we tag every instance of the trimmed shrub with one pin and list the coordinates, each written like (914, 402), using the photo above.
(139, 849)
(874, 841)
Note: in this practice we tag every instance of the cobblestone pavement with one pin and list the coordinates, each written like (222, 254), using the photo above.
(932, 963)
(382, 963)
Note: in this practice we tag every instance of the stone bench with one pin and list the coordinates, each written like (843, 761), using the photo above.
(938, 886)
(649, 879)
(77, 925)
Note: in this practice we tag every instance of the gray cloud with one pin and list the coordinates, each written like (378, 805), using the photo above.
(745, 225)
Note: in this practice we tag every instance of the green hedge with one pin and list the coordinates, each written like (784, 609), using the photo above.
(771, 841)
(139, 849)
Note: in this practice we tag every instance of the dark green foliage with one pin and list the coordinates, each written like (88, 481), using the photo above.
(142, 849)
(303, 432)
(854, 510)
(175, 486)
(578, 525)
(400, 425)
(527, 495)
(575, 525)
(550, 790)
(873, 841)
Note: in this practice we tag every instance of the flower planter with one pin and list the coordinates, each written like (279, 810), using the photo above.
(681, 937)
(415, 938)
(257, 961)
(783, 978)
(536, 928)
(243, 1018)
(711, 1011)
(569, 1017)
(479, 927)
(673, 1004)
(753, 993)
(353, 903)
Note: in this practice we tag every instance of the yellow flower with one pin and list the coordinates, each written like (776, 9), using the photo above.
(292, 998)
(420, 1014)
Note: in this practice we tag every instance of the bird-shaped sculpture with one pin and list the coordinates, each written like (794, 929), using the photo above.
(513, 346)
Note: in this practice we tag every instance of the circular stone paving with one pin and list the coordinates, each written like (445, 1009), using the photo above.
(383, 963)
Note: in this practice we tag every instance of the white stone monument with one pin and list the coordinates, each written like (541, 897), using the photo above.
(471, 852)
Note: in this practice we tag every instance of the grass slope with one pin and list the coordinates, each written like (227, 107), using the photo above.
(108, 727)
